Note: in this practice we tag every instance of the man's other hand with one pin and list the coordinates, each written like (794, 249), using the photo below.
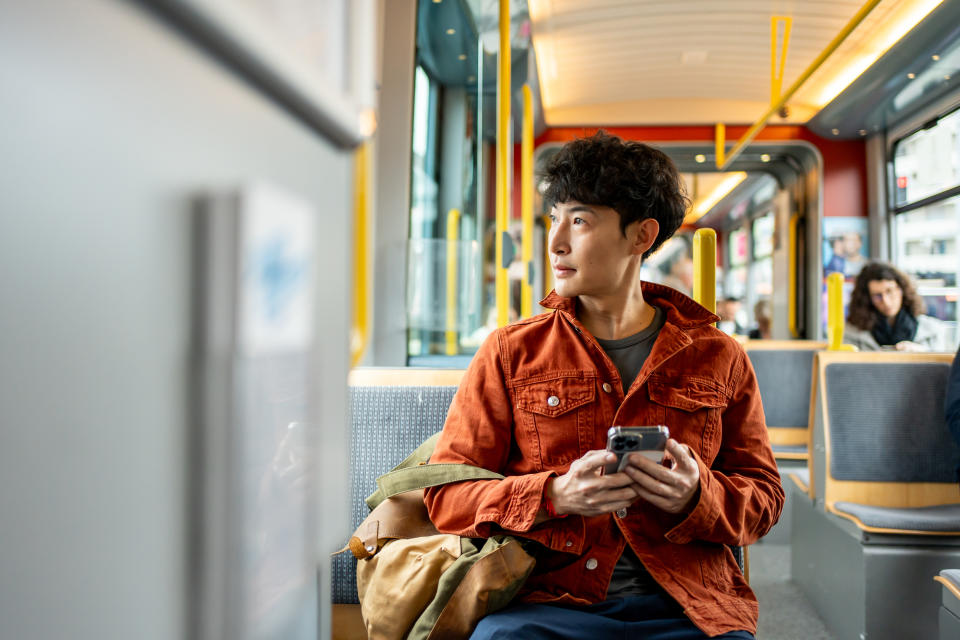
(584, 491)
(672, 488)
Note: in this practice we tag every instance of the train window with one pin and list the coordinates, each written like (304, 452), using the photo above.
(444, 294)
(926, 248)
(927, 162)
(927, 215)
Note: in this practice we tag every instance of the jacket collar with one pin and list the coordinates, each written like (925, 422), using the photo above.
(681, 310)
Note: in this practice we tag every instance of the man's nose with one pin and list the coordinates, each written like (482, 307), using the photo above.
(557, 242)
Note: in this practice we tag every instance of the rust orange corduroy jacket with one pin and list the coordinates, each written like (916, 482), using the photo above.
(697, 381)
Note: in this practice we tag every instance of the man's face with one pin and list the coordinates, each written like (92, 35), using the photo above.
(728, 310)
(589, 254)
(852, 243)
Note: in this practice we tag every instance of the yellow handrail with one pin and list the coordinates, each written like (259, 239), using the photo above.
(453, 238)
(360, 329)
(792, 275)
(724, 160)
(503, 157)
(705, 268)
(835, 312)
(526, 204)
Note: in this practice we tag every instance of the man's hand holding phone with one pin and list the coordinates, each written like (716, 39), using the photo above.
(672, 487)
(584, 490)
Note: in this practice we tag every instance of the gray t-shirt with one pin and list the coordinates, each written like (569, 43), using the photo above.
(630, 577)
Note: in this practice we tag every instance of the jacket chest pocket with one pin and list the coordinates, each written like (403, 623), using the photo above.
(552, 415)
(691, 409)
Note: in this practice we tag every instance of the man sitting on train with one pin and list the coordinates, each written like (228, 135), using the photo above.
(642, 551)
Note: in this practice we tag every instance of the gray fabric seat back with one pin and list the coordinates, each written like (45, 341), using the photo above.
(386, 424)
(886, 422)
(784, 380)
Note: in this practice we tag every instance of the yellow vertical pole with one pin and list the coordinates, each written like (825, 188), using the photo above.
(526, 204)
(547, 265)
(453, 244)
(503, 157)
(359, 330)
(705, 268)
(719, 144)
(792, 276)
(835, 312)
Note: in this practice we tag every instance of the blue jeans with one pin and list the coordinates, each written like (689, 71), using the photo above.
(652, 617)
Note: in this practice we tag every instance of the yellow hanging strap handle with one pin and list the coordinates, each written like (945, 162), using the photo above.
(453, 246)
(526, 204)
(504, 244)
(360, 329)
(705, 268)
(835, 313)
(776, 70)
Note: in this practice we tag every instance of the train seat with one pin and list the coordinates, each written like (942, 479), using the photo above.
(949, 618)
(392, 411)
(783, 369)
(886, 513)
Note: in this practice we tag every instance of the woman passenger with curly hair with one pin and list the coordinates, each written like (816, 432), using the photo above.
(887, 313)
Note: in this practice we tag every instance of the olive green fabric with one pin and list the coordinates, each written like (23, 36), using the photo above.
(435, 586)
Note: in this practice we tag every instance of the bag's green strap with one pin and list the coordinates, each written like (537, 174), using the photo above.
(415, 473)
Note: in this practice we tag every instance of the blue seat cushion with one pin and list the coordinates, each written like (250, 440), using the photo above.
(940, 518)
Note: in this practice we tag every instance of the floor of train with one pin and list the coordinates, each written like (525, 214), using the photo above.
(785, 614)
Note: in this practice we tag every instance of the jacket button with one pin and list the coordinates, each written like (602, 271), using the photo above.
(553, 401)
(591, 564)
(607, 387)
(569, 543)
(622, 513)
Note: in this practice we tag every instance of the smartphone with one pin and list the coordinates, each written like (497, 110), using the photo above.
(650, 441)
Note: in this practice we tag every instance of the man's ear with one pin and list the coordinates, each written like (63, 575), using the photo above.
(646, 234)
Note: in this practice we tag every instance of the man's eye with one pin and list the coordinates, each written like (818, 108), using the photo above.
(578, 221)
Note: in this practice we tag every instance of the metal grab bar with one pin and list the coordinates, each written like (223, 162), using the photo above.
(526, 204)
(792, 275)
(503, 157)
(724, 160)
(705, 268)
(453, 238)
(835, 312)
(360, 329)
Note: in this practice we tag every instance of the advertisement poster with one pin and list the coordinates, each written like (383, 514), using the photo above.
(845, 246)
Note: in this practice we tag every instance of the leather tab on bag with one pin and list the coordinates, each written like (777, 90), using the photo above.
(402, 516)
(365, 540)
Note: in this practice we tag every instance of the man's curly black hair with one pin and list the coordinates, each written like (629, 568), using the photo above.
(634, 179)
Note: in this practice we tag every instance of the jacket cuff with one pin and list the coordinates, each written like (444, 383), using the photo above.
(526, 501)
(704, 514)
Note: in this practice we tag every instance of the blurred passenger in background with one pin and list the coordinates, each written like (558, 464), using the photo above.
(680, 276)
(886, 312)
(763, 316)
(727, 309)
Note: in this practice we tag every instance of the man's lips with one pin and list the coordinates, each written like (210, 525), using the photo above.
(563, 270)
